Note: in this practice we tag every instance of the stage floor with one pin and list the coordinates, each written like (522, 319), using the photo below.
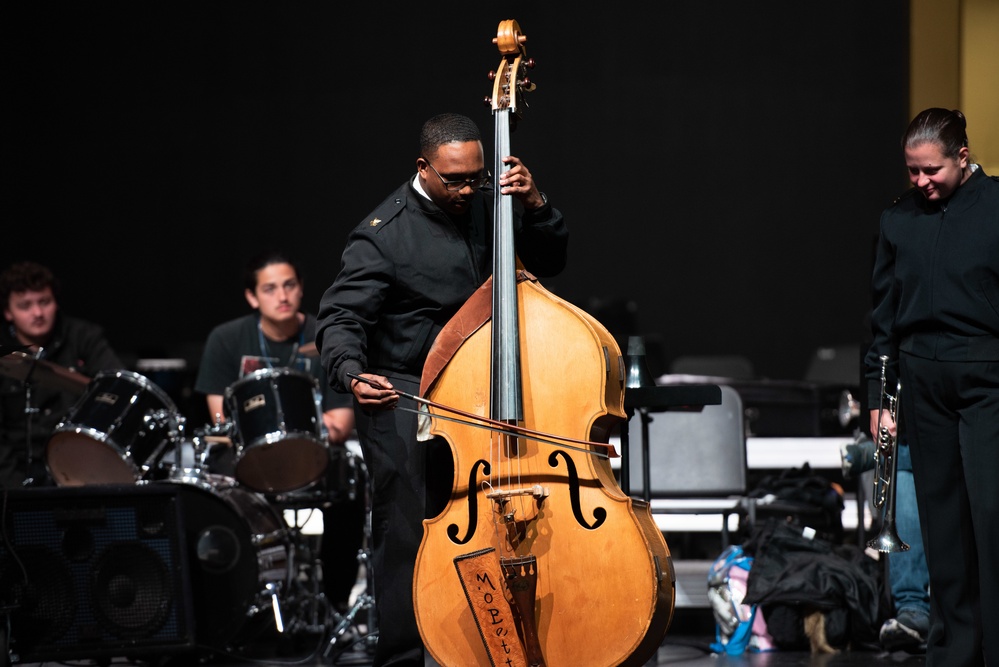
(687, 643)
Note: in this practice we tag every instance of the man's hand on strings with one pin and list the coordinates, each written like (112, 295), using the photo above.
(374, 391)
(517, 181)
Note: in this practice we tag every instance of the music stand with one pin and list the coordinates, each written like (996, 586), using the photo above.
(658, 399)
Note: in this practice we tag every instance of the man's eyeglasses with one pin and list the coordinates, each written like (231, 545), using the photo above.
(454, 186)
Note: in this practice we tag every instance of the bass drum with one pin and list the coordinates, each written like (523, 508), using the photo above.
(239, 553)
(113, 434)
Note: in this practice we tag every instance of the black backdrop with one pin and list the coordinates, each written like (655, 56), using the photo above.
(721, 165)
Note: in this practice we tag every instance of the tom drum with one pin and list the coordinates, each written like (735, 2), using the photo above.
(113, 434)
(278, 430)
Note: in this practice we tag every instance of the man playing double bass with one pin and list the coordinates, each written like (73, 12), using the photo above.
(406, 270)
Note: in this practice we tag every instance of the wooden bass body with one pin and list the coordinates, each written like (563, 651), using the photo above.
(605, 587)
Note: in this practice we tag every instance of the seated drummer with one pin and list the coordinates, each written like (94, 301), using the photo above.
(38, 329)
(273, 336)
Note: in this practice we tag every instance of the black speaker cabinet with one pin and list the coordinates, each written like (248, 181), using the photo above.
(95, 572)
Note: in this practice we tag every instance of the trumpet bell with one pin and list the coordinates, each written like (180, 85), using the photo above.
(888, 540)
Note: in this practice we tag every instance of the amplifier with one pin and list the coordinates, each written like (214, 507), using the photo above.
(94, 572)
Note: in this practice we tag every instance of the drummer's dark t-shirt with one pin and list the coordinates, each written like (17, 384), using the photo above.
(235, 348)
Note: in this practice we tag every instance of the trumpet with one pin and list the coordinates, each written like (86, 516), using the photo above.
(886, 470)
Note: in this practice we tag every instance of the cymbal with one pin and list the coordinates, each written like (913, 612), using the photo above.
(16, 365)
(309, 350)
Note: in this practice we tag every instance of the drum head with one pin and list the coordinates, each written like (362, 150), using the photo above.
(290, 464)
(80, 458)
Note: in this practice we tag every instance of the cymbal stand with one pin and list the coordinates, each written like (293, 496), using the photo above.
(28, 412)
(366, 600)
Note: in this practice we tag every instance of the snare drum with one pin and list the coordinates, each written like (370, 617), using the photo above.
(113, 433)
(278, 429)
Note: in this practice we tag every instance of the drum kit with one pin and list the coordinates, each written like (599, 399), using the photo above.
(253, 567)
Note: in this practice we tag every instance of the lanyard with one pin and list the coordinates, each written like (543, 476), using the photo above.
(265, 351)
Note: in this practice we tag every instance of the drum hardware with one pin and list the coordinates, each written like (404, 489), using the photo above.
(296, 604)
(31, 370)
(218, 432)
(173, 423)
(303, 607)
(272, 589)
(271, 566)
(304, 598)
(199, 446)
(365, 601)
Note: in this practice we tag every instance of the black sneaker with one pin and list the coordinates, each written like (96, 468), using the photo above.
(906, 632)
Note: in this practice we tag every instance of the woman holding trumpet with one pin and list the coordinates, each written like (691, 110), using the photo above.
(935, 290)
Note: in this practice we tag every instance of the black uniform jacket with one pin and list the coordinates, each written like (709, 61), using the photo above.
(936, 278)
(405, 271)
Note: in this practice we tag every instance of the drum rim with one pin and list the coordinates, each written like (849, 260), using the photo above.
(226, 492)
(143, 381)
(88, 432)
(277, 437)
(267, 373)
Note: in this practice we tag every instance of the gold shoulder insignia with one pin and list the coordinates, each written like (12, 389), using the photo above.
(374, 222)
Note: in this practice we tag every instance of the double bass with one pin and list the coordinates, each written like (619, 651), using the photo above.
(538, 558)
